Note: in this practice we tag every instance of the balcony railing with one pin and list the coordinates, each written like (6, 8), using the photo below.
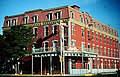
(66, 48)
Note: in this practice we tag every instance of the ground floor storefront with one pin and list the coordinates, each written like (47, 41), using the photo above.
(70, 63)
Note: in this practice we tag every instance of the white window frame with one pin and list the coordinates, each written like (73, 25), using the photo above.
(49, 15)
(74, 43)
(14, 21)
(45, 30)
(53, 28)
(83, 32)
(34, 31)
(83, 46)
(59, 11)
(44, 45)
(35, 19)
(54, 49)
(73, 28)
(72, 14)
(81, 18)
(8, 22)
(25, 19)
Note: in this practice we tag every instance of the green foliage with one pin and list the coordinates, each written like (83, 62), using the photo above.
(16, 41)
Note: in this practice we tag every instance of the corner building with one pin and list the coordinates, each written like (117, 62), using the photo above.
(84, 45)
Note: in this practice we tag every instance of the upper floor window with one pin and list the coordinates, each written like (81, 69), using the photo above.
(35, 18)
(94, 24)
(45, 30)
(87, 21)
(14, 22)
(73, 43)
(109, 51)
(81, 18)
(46, 46)
(104, 38)
(96, 36)
(50, 16)
(55, 30)
(92, 35)
(35, 31)
(73, 29)
(100, 37)
(103, 27)
(59, 14)
(98, 26)
(55, 48)
(8, 22)
(25, 20)
(82, 32)
(72, 14)
(88, 34)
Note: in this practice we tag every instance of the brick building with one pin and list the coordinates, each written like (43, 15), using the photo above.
(80, 46)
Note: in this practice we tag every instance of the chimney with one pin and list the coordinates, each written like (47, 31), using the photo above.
(76, 7)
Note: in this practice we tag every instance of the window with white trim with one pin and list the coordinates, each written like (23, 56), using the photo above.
(73, 29)
(88, 47)
(50, 16)
(104, 51)
(73, 43)
(55, 47)
(100, 50)
(35, 31)
(88, 34)
(35, 18)
(82, 32)
(96, 36)
(87, 21)
(25, 20)
(59, 14)
(14, 22)
(83, 46)
(55, 29)
(92, 35)
(100, 37)
(72, 14)
(104, 38)
(46, 30)
(46, 46)
(8, 22)
(94, 24)
(98, 26)
(81, 18)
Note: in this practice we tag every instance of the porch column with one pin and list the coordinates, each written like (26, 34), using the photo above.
(90, 64)
(69, 65)
(50, 64)
(32, 64)
(41, 64)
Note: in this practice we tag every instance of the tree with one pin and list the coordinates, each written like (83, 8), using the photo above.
(16, 41)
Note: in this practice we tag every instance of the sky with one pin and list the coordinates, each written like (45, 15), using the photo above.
(105, 11)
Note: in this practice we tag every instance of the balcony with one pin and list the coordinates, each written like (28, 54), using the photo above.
(65, 49)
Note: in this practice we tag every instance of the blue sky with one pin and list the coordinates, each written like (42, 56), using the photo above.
(106, 11)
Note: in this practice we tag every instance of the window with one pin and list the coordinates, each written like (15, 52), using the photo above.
(104, 51)
(96, 36)
(50, 16)
(14, 22)
(92, 35)
(104, 38)
(55, 30)
(45, 30)
(35, 31)
(35, 18)
(8, 23)
(72, 14)
(100, 50)
(100, 37)
(94, 24)
(88, 34)
(110, 41)
(103, 27)
(97, 48)
(109, 52)
(58, 15)
(82, 32)
(88, 47)
(25, 20)
(115, 53)
(55, 48)
(98, 26)
(81, 18)
(73, 29)
(46, 46)
(83, 46)
(87, 20)
(106, 29)
(73, 43)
